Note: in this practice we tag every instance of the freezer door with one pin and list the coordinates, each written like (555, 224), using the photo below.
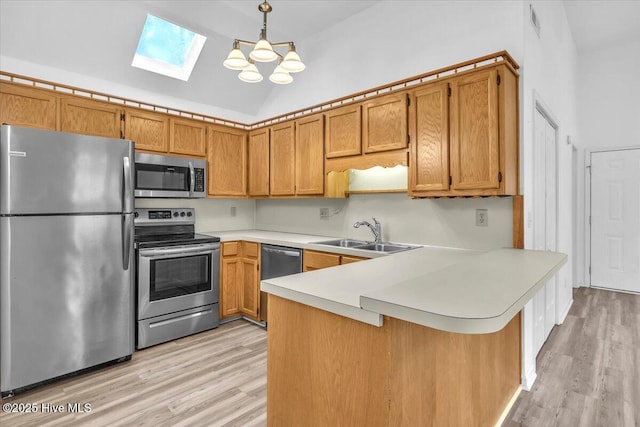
(56, 172)
(66, 301)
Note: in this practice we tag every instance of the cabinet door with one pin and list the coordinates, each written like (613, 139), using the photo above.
(23, 106)
(250, 292)
(230, 281)
(187, 137)
(429, 165)
(90, 117)
(283, 160)
(474, 131)
(314, 260)
(227, 161)
(346, 259)
(384, 123)
(149, 130)
(259, 162)
(343, 132)
(310, 155)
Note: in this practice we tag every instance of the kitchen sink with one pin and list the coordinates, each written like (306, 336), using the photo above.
(344, 243)
(367, 246)
(386, 247)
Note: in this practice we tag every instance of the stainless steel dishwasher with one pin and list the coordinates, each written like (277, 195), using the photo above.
(277, 261)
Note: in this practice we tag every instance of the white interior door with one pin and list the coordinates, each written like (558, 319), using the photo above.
(545, 222)
(615, 219)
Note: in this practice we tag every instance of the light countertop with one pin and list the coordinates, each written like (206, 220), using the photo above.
(455, 290)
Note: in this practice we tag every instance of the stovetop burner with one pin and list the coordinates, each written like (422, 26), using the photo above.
(167, 227)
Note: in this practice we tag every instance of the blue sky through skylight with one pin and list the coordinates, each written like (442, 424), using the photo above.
(167, 48)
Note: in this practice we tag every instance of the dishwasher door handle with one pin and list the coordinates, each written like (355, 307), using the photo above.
(283, 252)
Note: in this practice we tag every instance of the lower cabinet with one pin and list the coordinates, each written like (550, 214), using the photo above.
(316, 260)
(240, 280)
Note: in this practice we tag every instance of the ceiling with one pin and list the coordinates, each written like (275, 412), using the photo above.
(98, 38)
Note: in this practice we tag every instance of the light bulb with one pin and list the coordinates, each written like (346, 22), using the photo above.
(236, 60)
(263, 52)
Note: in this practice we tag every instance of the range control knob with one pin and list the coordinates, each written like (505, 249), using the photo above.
(136, 214)
(182, 213)
(175, 214)
(189, 214)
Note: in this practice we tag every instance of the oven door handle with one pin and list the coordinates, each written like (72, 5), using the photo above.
(173, 253)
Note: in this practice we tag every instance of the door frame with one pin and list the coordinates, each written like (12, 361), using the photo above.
(587, 203)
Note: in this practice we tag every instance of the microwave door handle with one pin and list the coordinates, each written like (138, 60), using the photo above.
(192, 174)
(126, 188)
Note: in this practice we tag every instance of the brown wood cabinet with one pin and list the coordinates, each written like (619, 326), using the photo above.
(187, 137)
(384, 123)
(282, 158)
(258, 165)
(90, 117)
(429, 152)
(227, 162)
(240, 279)
(482, 135)
(343, 132)
(309, 155)
(149, 130)
(316, 260)
(24, 106)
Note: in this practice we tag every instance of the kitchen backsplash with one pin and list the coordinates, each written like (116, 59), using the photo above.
(439, 222)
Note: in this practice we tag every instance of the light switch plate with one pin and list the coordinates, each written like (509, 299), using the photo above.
(482, 217)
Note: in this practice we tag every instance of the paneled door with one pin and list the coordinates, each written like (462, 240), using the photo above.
(545, 221)
(615, 219)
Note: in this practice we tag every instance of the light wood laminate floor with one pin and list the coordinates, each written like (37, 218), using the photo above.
(215, 378)
(588, 375)
(589, 368)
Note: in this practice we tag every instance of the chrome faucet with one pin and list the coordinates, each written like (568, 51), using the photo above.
(376, 229)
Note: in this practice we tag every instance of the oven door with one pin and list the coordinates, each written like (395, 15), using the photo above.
(177, 278)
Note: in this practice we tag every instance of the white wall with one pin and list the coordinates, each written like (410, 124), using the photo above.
(211, 214)
(548, 76)
(393, 40)
(439, 222)
(608, 114)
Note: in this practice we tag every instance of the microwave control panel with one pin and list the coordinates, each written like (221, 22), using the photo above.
(199, 178)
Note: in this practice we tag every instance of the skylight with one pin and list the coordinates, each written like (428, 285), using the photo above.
(167, 49)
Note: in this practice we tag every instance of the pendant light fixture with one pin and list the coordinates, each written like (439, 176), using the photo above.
(263, 51)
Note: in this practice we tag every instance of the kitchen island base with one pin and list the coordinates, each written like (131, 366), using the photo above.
(325, 369)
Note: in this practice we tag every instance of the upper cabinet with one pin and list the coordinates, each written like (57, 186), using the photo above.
(149, 130)
(227, 161)
(429, 165)
(481, 134)
(258, 165)
(90, 117)
(283, 159)
(309, 155)
(24, 106)
(384, 123)
(343, 132)
(187, 137)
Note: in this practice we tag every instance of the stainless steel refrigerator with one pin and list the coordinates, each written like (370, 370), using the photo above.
(66, 254)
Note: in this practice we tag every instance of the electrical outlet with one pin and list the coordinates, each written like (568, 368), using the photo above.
(232, 211)
(324, 213)
(482, 217)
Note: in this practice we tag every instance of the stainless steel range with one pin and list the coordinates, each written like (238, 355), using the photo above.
(177, 276)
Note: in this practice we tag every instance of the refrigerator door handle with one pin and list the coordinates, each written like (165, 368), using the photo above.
(126, 240)
(192, 174)
(126, 188)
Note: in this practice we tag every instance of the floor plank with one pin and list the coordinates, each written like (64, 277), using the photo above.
(589, 368)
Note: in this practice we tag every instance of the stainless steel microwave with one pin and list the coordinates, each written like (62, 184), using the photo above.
(167, 176)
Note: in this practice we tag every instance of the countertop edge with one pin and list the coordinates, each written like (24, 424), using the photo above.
(355, 313)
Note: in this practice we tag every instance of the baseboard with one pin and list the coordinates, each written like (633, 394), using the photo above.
(529, 378)
(507, 408)
(564, 314)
